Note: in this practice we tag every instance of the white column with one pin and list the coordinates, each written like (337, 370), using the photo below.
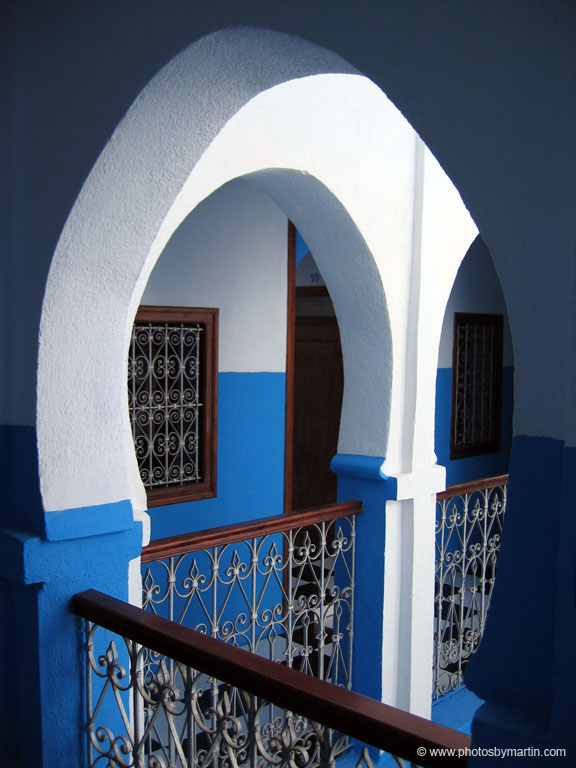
(409, 593)
(442, 231)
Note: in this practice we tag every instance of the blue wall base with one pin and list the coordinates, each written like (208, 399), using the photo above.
(513, 734)
(524, 668)
(251, 413)
(456, 709)
(42, 660)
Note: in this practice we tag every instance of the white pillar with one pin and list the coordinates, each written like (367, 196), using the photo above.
(442, 231)
(409, 592)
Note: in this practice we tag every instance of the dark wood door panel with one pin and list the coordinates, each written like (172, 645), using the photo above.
(318, 387)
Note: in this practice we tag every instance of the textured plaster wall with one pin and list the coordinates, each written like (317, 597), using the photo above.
(442, 231)
(231, 253)
(124, 262)
(324, 148)
(133, 189)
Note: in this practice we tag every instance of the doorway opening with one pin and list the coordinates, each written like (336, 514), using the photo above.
(315, 382)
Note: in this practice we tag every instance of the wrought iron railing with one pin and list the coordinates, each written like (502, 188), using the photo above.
(281, 587)
(159, 694)
(469, 521)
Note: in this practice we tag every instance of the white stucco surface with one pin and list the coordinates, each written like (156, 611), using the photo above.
(120, 222)
(335, 155)
(134, 189)
(231, 253)
(307, 272)
(442, 231)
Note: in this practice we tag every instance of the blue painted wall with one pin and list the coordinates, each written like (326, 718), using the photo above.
(250, 480)
(39, 576)
(250, 485)
(240, 268)
(20, 713)
(475, 467)
(301, 248)
(42, 661)
(20, 502)
(528, 681)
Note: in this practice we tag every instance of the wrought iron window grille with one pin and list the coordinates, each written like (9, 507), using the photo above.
(476, 384)
(172, 393)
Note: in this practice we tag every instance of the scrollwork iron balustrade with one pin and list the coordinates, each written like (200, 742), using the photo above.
(288, 595)
(468, 530)
(161, 695)
(145, 710)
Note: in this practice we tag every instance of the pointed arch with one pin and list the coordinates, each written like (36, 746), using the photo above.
(198, 124)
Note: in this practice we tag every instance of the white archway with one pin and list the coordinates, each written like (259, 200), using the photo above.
(376, 209)
(203, 121)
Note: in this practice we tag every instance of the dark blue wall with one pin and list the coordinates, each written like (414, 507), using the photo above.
(525, 668)
(20, 502)
(475, 467)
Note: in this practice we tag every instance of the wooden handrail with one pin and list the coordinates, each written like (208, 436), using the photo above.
(228, 534)
(367, 720)
(474, 485)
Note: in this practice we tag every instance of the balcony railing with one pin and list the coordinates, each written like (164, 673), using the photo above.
(469, 520)
(281, 587)
(159, 694)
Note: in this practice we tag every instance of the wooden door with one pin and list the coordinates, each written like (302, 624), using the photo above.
(318, 386)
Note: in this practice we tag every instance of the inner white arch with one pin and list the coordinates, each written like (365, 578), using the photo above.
(330, 148)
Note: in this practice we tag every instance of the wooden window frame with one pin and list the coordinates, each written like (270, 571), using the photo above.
(290, 346)
(492, 444)
(208, 317)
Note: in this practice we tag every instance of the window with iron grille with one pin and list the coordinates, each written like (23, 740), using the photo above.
(476, 384)
(172, 393)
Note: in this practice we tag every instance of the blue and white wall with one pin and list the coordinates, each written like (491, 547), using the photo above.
(492, 95)
(324, 147)
(231, 253)
(476, 289)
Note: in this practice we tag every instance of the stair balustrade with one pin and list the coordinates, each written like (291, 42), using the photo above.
(159, 694)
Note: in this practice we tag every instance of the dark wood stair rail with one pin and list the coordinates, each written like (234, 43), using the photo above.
(227, 534)
(367, 720)
(471, 487)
